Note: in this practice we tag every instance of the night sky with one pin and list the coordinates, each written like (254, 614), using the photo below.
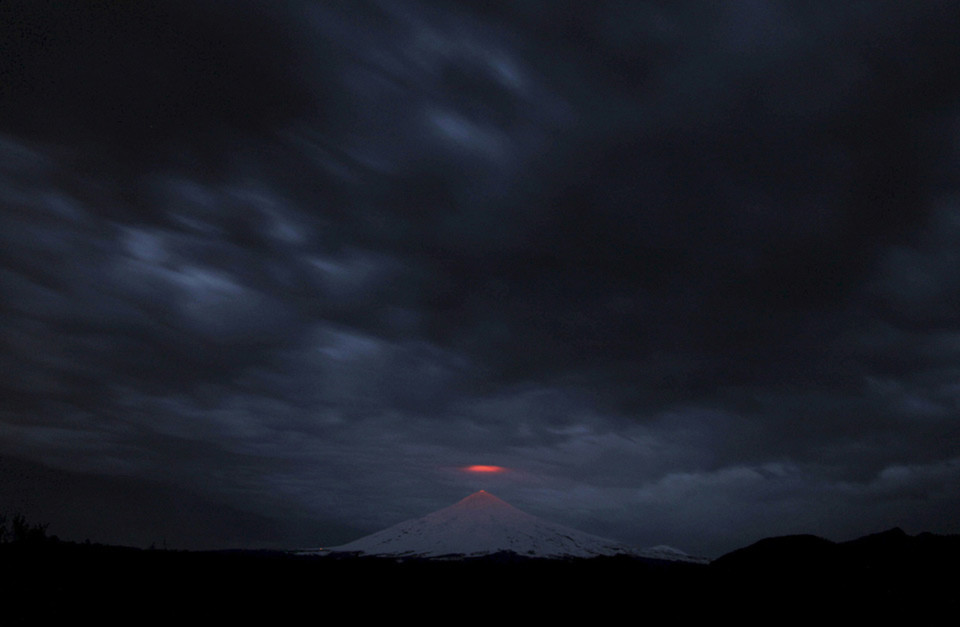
(273, 273)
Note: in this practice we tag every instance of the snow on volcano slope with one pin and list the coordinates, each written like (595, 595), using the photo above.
(482, 524)
(670, 554)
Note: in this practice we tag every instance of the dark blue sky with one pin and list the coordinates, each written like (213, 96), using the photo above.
(271, 273)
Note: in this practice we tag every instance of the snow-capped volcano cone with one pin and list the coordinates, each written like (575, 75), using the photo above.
(482, 524)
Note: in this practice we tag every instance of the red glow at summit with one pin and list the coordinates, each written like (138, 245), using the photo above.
(477, 468)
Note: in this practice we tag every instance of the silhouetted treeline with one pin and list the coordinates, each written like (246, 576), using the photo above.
(18, 530)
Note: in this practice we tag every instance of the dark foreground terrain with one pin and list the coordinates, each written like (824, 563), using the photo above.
(889, 578)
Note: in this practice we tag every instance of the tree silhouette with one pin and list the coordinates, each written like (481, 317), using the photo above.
(20, 531)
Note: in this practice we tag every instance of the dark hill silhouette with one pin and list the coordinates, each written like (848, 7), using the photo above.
(889, 577)
(798, 551)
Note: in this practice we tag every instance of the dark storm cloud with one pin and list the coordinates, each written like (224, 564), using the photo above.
(692, 261)
(141, 79)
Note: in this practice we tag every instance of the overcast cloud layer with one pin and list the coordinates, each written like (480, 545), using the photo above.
(691, 271)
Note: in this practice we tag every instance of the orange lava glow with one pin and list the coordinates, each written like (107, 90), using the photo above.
(485, 469)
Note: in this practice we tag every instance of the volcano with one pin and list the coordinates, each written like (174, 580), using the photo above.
(482, 524)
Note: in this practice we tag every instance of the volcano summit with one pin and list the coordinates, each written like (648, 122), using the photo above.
(482, 524)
